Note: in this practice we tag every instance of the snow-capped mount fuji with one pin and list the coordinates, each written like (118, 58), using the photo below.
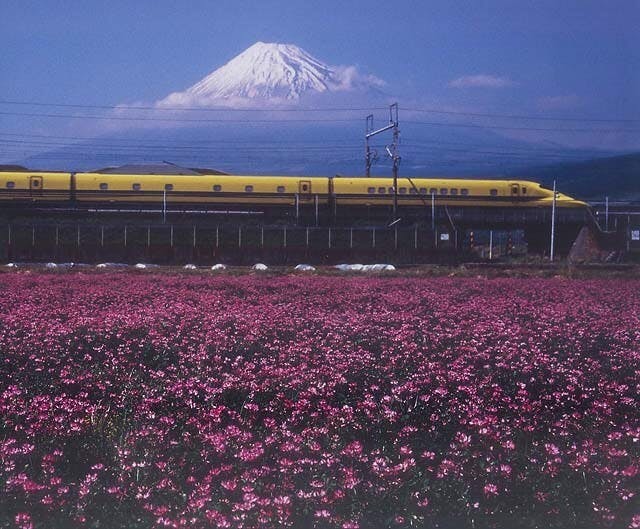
(271, 72)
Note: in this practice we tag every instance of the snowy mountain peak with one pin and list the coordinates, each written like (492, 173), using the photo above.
(273, 72)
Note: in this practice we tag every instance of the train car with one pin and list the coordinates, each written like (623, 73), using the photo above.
(223, 191)
(448, 192)
(42, 188)
(268, 193)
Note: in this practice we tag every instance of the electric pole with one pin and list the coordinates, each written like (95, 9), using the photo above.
(553, 223)
(392, 149)
(369, 157)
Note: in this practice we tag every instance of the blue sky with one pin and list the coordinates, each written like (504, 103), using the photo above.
(571, 58)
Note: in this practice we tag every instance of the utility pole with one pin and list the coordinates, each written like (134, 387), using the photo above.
(164, 205)
(433, 212)
(392, 149)
(490, 245)
(553, 222)
(369, 157)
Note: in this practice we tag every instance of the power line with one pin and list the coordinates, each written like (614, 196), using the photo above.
(416, 152)
(425, 143)
(89, 141)
(252, 121)
(235, 161)
(177, 120)
(413, 148)
(500, 127)
(317, 109)
(90, 145)
(416, 148)
(520, 116)
(189, 109)
(410, 157)
(176, 141)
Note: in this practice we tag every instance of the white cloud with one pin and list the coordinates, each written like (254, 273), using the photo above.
(481, 81)
(348, 78)
(188, 99)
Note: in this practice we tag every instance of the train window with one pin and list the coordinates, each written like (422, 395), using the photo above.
(493, 192)
(168, 187)
(403, 190)
(433, 191)
(136, 187)
(280, 189)
(453, 191)
(423, 190)
(104, 186)
(464, 191)
(443, 191)
(382, 190)
(391, 190)
(524, 190)
(11, 185)
(248, 189)
(35, 183)
(217, 188)
(371, 190)
(412, 191)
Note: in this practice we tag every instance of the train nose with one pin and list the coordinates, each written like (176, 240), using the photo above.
(563, 200)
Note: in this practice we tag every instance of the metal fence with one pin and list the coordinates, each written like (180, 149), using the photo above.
(168, 243)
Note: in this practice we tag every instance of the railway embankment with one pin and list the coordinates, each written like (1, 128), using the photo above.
(479, 270)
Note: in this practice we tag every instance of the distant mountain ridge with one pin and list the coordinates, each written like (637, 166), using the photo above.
(270, 72)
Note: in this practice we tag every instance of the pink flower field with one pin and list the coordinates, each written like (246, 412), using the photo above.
(142, 400)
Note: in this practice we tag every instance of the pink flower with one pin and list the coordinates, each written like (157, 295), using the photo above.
(490, 489)
(248, 402)
(551, 449)
(23, 521)
(229, 484)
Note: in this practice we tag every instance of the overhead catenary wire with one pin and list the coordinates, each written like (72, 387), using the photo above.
(520, 116)
(165, 108)
(415, 154)
(189, 109)
(412, 157)
(416, 150)
(308, 120)
(90, 140)
(423, 151)
(173, 140)
(411, 149)
(176, 120)
(238, 164)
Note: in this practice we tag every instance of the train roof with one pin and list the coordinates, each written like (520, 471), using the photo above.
(160, 168)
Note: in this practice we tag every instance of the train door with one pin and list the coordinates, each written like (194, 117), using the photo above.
(35, 185)
(304, 189)
(515, 191)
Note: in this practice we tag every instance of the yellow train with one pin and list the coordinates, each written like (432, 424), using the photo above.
(24, 188)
